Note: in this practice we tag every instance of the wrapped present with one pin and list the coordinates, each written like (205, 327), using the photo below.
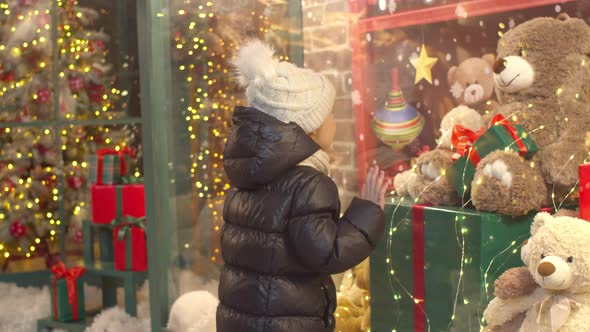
(584, 174)
(67, 293)
(435, 269)
(109, 166)
(501, 135)
(130, 244)
(116, 201)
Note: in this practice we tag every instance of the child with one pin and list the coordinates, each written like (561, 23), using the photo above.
(283, 236)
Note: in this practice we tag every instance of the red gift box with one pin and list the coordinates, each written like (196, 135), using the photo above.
(130, 248)
(112, 202)
(584, 176)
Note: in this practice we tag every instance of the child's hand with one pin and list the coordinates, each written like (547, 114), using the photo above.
(375, 187)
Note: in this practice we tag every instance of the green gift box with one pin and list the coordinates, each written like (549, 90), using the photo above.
(435, 267)
(67, 293)
(501, 135)
(109, 166)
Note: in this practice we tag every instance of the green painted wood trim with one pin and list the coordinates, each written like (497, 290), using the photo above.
(49, 324)
(65, 123)
(155, 80)
(35, 279)
(123, 49)
(105, 241)
(295, 32)
(60, 163)
(88, 243)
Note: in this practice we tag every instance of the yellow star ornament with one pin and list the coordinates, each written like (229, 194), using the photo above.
(423, 65)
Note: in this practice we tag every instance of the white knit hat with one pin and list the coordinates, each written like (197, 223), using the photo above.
(281, 89)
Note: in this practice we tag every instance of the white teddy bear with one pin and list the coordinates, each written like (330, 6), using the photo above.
(558, 257)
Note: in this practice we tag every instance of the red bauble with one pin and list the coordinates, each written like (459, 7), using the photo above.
(43, 96)
(27, 2)
(97, 45)
(43, 20)
(18, 230)
(95, 92)
(400, 166)
(7, 76)
(75, 182)
(76, 84)
(78, 236)
(424, 148)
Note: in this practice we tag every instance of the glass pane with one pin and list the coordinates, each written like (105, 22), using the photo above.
(203, 38)
(97, 60)
(27, 84)
(29, 211)
(437, 55)
(94, 80)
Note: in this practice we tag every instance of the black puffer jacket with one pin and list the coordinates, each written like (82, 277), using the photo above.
(282, 236)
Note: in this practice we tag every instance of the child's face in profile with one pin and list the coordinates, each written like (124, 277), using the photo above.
(324, 135)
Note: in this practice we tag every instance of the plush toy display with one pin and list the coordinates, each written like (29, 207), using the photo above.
(425, 183)
(556, 260)
(193, 312)
(353, 311)
(472, 83)
(542, 81)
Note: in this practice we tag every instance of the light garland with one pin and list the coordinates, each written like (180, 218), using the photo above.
(30, 157)
(201, 53)
(462, 229)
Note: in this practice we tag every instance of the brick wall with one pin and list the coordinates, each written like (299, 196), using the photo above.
(327, 50)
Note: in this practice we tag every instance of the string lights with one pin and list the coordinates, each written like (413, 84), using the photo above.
(33, 87)
(464, 226)
(205, 36)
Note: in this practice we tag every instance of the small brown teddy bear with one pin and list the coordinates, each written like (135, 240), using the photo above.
(472, 83)
(543, 81)
(425, 183)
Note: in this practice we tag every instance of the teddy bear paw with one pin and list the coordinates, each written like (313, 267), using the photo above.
(430, 171)
(499, 170)
(429, 185)
(505, 183)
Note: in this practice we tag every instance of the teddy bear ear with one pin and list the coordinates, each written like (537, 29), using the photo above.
(563, 17)
(490, 59)
(541, 219)
(451, 74)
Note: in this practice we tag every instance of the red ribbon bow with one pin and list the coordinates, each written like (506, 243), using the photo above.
(463, 138)
(60, 271)
(500, 120)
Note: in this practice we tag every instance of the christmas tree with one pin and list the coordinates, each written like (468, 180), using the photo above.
(55, 74)
(205, 37)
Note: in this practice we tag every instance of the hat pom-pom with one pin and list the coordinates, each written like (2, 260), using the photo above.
(255, 62)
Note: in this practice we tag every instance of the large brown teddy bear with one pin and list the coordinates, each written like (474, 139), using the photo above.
(543, 80)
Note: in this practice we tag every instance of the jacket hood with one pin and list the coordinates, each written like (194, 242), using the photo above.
(261, 148)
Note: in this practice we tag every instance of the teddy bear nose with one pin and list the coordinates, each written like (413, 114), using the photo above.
(545, 269)
(499, 65)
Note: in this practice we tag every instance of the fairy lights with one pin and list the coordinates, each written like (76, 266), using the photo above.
(463, 270)
(30, 156)
(200, 53)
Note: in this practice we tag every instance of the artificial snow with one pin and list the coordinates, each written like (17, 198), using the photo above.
(22, 307)
(193, 311)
